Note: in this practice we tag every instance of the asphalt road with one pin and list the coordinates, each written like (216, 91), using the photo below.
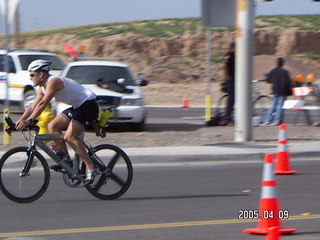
(198, 113)
(169, 201)
(184, 201)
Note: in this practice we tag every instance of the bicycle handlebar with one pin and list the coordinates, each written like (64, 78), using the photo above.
(259, 80)
(12, 126)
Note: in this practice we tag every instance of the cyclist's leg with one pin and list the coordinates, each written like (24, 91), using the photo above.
(71, 136)
(83, 116)
(56, 126)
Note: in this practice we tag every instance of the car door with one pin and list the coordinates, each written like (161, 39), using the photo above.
(4, 76)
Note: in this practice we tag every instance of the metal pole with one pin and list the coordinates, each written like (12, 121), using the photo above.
(17, 26)
(208, 73)
(6, 137)
(244, 55)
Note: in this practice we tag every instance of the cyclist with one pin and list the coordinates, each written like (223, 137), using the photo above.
(73, 120)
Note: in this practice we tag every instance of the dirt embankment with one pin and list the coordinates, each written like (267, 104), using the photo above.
(176, 66)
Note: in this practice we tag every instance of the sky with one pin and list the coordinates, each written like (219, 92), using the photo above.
(46, 14)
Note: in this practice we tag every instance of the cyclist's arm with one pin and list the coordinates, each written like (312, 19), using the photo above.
(31, 108)
(53, 86)
(22, 122)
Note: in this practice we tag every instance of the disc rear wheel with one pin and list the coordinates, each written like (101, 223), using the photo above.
(115, 175)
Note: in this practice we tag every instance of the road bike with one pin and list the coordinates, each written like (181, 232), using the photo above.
(25, 174)
(260, 102)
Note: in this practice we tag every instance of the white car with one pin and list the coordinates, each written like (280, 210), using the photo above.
(115, 86)
(20, 88)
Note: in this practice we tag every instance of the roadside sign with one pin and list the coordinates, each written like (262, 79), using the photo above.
(218, 12)
(12, 6)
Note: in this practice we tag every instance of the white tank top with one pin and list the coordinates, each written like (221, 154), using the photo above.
(72, 93)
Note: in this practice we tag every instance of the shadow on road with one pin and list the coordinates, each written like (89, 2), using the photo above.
(242, 145)
(183, 197)
(149, 127)
(155, 127)
(159, 127)
(306, 233)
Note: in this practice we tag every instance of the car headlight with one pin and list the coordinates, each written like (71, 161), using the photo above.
(132, 102)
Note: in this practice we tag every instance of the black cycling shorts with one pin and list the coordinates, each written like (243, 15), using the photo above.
(85, 114)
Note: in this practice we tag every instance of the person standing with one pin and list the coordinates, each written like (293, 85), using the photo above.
(281, 88)
(229, 69)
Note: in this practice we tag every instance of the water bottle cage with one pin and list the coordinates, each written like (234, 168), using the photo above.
(101, 124)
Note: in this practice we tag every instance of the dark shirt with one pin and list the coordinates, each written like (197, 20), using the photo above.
(280, 79)
(229, 60)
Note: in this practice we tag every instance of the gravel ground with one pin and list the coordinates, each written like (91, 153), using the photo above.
(185, 133)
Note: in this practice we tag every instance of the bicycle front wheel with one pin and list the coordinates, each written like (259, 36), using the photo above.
(116, 169)
(24, 176)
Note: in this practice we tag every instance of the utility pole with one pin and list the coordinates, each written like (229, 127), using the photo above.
(208, 98)
(214, 13)
(6, 137)
(244, 56)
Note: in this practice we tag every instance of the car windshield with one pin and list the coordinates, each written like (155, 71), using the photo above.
(56, 63)
(100, 74)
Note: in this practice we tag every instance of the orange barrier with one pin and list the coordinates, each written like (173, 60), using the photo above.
(310, 77)
(269, 211)
(283, 156)
(301, 92)
(185, 102)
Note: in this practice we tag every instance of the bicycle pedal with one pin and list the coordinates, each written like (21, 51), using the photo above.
(56, 168)
(60, 171)
(85, 182)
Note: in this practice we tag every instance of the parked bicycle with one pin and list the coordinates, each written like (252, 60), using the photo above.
(25, 174)
(260, 101)
(313, 98)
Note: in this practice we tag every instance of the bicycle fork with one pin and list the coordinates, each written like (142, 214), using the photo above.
(28, 165)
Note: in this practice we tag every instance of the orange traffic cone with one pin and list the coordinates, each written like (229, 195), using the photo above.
(269, 213)
(185, 102)
(283, 156)
(273, 234)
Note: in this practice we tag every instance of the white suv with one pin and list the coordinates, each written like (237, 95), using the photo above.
(21, 89)
(115, 86)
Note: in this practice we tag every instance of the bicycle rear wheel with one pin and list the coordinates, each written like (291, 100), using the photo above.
(116, 174)
(19, 187)
(261, 105)
(222, 103)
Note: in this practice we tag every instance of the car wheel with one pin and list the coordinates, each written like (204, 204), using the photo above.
(138, 126)
(28, 99)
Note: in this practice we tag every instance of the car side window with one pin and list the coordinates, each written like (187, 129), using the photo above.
(1, 63)
(12, 68)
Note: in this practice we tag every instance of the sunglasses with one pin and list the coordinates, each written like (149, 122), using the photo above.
(32, 74)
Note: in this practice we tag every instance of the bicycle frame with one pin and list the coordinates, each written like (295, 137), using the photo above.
(38, 140)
